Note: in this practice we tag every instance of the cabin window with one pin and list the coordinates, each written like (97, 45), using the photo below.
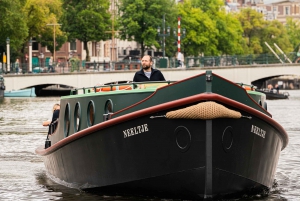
(77, 117)
(91, 114)
(67, 120)
(108, 107)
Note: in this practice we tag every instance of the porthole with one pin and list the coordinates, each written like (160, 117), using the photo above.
(91, 114)
(227, 138)
(183, 138)
(108, 107)
(77, 117)
(67, 120)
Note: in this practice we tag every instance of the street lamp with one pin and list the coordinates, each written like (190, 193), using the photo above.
(164, 34)
(42, 57)
(30, 55)
(8, 54)
(98, 51)
(54, 39)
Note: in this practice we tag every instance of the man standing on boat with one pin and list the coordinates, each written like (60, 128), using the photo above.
(148, 73)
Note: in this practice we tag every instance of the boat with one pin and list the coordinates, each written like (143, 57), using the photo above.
(30, 92)
(201, 137)
(2, 86)
(273, 94)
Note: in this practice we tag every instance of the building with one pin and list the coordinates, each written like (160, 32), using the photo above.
(272, 9)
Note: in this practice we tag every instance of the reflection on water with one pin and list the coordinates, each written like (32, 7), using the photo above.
(22, 173)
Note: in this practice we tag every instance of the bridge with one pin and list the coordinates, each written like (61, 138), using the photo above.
(250, 74)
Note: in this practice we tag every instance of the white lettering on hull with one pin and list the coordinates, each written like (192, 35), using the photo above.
(135, 130)
(258, 131)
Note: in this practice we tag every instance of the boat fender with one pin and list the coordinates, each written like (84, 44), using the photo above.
(47, 143)
(265, 106)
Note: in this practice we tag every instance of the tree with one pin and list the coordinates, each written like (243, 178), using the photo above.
(39, 15)
(13, 25)
(139, 19)
(293, 31)
(201, 30)
(87, 20)
(230, 34)
(275, 32)
(257, 31)
(210, 30)
(252, 23)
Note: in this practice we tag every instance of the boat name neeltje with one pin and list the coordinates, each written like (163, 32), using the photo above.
(258, 131)
(135, 130)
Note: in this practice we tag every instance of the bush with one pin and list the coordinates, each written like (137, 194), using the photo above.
(74, 61)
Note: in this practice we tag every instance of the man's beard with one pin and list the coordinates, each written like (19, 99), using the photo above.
(146, 67)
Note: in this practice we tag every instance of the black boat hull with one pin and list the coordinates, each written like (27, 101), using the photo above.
(173, 157)
(270, 95)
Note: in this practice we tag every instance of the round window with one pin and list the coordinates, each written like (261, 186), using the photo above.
(67, 120)
(91, 114)
(108, 107)
(77, 117)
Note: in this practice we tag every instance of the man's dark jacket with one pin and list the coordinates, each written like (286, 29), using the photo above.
(156, 75)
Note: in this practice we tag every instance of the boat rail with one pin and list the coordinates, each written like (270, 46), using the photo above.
(247, 86)
(113, 87)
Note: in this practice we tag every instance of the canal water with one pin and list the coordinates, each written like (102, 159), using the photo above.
(23, 176)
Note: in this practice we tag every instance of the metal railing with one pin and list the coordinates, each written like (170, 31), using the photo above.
(189, 62)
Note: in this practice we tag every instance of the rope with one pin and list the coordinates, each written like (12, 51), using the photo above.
(204, 110)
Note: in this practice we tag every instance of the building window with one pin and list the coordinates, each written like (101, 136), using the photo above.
(287, 10)
(35, 46)
(73, 46)
(274, 8)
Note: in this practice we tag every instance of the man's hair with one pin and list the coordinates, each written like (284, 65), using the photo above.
(149, 57)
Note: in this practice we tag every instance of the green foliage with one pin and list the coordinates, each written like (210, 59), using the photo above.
(257, 31)
(41, 17)
(13, 25)
(210, 7)
(275, 32)
(40, 13)
(252, 23)
(210, 30)
(293, 31)
(87, 20)
(230, 40)
(74, 61)
(201, 30)
(139, 20)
